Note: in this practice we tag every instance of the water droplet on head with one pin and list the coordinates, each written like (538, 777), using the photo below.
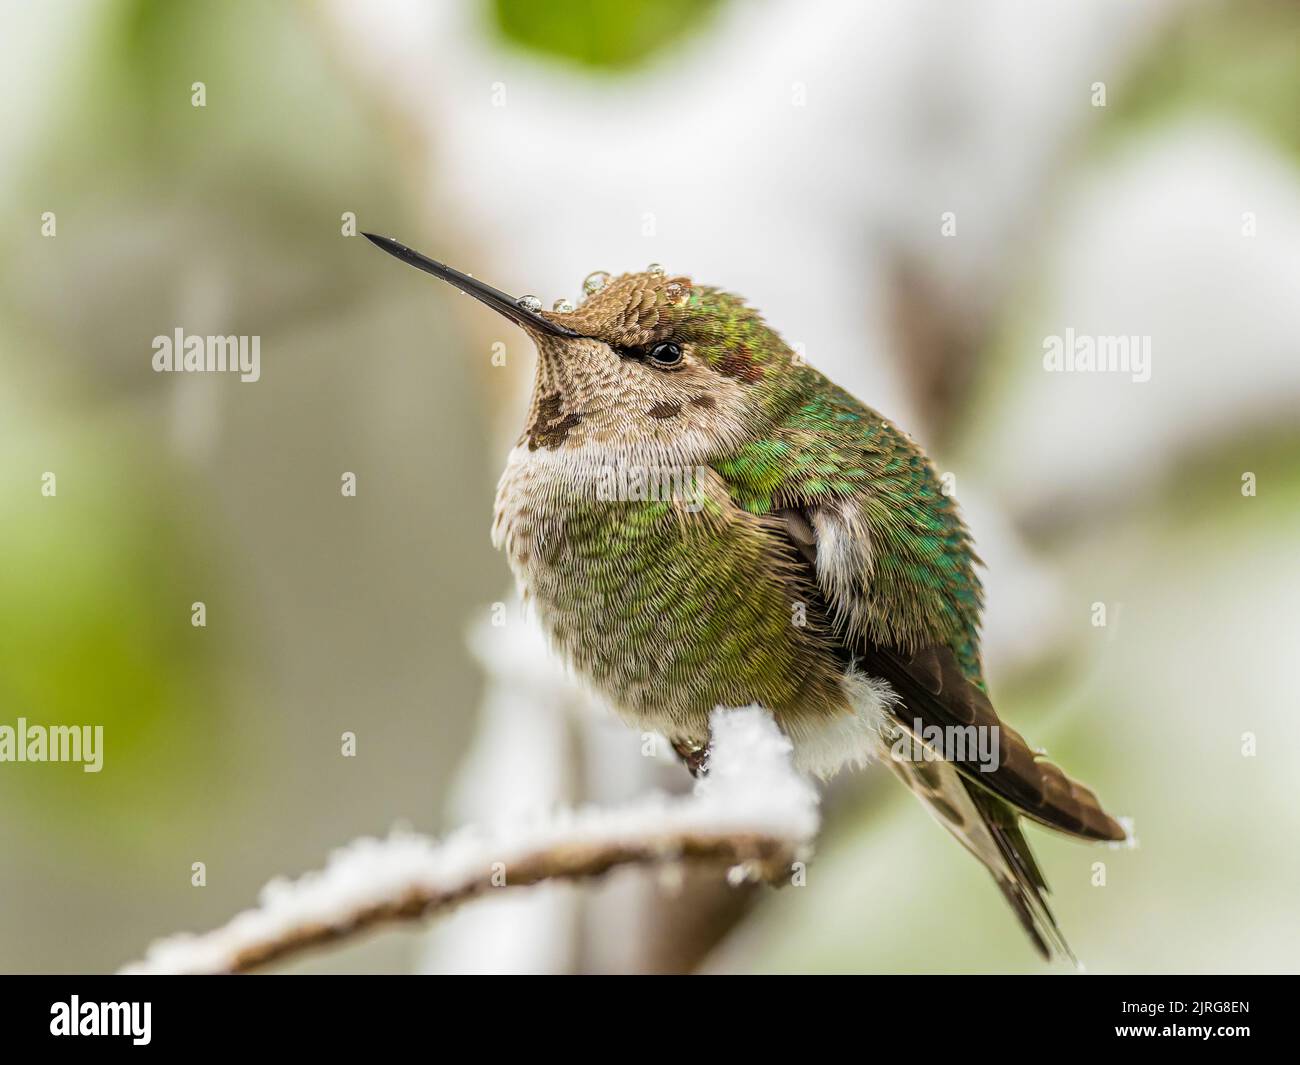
(529, 303)
(595, 281)
(676, 294)
(562, 305)
(656, 269)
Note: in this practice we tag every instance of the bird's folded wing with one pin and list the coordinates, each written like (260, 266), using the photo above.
(934, 691)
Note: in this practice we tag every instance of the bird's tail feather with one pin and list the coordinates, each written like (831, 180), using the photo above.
(989, 828)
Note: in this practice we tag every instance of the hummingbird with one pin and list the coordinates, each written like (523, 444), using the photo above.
(701, 519)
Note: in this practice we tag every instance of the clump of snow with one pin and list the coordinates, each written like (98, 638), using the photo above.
(751, 784)
(1130, 840)
(751, 788)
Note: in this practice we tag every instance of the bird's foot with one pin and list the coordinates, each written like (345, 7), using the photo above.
(694, 756)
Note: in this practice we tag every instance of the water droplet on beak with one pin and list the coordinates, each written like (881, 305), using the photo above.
(529, 303)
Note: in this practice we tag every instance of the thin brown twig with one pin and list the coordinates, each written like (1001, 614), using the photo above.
(765, 859)
(753, 816)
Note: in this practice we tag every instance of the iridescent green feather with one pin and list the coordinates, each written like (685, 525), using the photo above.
(824, 446)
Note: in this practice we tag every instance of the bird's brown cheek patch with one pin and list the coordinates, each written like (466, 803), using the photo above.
(704, 402)
(663, 411)
(549, 429)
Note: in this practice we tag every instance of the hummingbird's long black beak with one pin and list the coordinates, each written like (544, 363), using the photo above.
(493, 297)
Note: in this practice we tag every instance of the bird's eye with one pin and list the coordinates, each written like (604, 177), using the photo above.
(665, 354)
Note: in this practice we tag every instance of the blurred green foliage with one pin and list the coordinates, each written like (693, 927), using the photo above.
(1241, 58)
(95, 592)
(94, 623)
(610, 35)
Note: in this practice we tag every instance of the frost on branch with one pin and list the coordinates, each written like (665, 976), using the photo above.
(751, 816)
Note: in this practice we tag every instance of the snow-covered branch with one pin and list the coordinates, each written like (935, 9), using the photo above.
(753, 816)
